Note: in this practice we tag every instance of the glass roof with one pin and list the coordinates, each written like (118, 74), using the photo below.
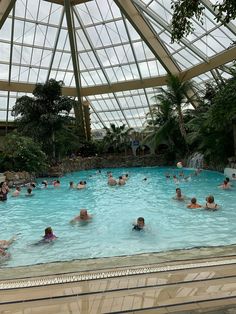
(114, 52)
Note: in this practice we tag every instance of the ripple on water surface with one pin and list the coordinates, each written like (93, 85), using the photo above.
(169, 224)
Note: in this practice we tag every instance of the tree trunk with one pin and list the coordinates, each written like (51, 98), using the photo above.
(181, 124)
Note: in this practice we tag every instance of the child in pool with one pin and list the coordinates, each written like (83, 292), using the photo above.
(194, 203)
(49, 235)
(139, 224)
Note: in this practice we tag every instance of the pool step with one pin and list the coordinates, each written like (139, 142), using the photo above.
(161, 292)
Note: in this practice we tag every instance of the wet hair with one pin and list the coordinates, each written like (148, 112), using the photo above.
(227, 179)
(194, 200)
(140, 219)
(48, 230)
(210, 199)
(120, 177)
(178, 189)
(29, 190)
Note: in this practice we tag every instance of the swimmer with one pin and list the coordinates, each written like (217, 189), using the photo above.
(4, 244)
(139, 225)
(193, 203)
(44, 184)
(167, 175)
(121, 181)
(81, 185)
(83, 216)
(17, 191)
(179, 196)
(225, 185)
(4, 254)
(233, 176)
(56, 183)
(125, 176)
(49, 235)
(4, 189)
(111, 181)
(29, 192)
(210, 203)
(72, 185)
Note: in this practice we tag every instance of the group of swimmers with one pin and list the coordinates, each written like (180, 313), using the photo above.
(84, 216)
(210, 201)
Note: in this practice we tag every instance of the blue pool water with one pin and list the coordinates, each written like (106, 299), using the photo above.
(170, 225)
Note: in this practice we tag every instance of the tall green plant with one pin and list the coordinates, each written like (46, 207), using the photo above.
(163, 126)
(43, 115)
(176, 95)
(117, 139)
(22, 153)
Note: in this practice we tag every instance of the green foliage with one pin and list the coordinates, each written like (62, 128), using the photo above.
(22, 153)
(210, 128)
(117, 139)
(226, 11)
(184, 10)
(176, 97)
(223, 109)
(41, 117)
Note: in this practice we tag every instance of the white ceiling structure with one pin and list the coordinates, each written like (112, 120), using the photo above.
(110, 53)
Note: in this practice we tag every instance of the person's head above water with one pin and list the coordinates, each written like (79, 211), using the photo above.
(48, 231)
(139, 224)
(83, 214)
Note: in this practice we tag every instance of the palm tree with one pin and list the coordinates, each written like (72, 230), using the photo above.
(176, 95)
(117, 138)
(162, 128)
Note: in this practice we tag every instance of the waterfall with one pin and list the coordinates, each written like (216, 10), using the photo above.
(195, 161)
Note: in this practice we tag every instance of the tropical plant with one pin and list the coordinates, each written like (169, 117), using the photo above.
(162, 128)
(176, 96)
(22, 153)
(222, 114)
(117, 139)
(211, 125)
(41, 117)
(184, 10)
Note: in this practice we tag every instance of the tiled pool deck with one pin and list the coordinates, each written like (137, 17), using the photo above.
(186, 281)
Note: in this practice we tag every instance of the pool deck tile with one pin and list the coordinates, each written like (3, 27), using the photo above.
(176, 287)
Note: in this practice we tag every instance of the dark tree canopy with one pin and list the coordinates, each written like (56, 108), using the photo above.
(184, 10)
(41, 116)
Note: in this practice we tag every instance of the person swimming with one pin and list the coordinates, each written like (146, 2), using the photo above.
(139, 224)
(82, 217)
(210, 203)
(49, 235)
(179, 196)
(193, 203)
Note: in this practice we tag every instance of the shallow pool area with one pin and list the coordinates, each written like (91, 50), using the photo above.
(169, 224)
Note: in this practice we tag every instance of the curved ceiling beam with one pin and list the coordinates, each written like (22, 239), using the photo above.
(5, 8)
(214, 62)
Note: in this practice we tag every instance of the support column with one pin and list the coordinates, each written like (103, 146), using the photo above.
(78, 108)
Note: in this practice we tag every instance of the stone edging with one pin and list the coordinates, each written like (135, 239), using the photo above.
(25, 283)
